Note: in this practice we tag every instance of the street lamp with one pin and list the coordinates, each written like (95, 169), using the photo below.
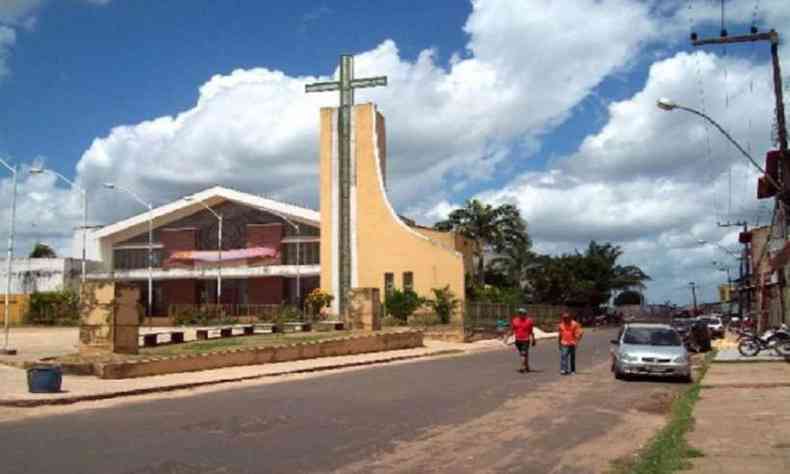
(668, 105)
(36, 171)
(219, 245)
(150, 240)
(15, 173)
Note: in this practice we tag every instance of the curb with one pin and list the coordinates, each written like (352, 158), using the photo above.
(27, 403)
(748, 385)
(752, 361)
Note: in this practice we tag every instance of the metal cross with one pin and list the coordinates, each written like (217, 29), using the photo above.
(346, 86)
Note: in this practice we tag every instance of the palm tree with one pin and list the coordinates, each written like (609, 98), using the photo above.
(491, 228)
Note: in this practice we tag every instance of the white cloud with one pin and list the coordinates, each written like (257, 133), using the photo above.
(645, 180)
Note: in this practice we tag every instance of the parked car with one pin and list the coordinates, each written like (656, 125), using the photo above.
(715, 325)
(650, 349)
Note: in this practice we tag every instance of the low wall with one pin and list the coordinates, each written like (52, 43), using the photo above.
(261, 355)
(17, 308)
(445, 332)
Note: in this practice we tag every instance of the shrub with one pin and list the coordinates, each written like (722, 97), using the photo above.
(426, 319)
(401, 304)
(316, 300)
(288, 314)
(443, 304)
(54, 308)
(391, 321)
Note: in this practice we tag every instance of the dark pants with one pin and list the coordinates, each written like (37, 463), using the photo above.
(567, 359)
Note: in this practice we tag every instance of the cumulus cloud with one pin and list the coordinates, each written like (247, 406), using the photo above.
(256, 129)
(656, 182)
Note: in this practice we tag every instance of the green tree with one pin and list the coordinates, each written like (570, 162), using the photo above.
(583, 279)
(43, 251)
(513, 263)
(491, 228)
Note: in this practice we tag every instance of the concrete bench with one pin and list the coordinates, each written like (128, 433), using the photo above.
(294, 325)
(329, 325)
(152, 339)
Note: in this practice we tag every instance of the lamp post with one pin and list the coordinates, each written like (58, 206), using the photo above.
(84, 194)
(15, 173)
(666, 104)
(150, 240)
(219, 245)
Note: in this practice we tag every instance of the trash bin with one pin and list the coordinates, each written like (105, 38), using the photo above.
(44, 379)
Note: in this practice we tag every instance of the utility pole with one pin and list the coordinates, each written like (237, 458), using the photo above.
(694, 296)
(744, 280)
(783, 193)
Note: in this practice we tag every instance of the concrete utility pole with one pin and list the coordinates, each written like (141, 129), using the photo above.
(783, 188)
(694, 296)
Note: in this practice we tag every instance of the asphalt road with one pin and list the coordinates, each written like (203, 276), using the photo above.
(470, 413)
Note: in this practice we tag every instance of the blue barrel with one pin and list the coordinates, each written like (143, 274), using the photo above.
(44, 379)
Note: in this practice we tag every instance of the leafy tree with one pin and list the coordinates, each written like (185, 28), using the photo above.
(491, 228)
(401, 304)
(628, 297)
(513, 263)
(580, 279)
(43, 251)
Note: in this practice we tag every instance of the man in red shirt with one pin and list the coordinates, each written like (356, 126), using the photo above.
(521, 326)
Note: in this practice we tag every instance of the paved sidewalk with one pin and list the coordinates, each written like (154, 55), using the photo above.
(14, 392)
(742, 419)
(731, 354)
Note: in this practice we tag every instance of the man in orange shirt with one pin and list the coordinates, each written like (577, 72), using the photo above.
(569, 335)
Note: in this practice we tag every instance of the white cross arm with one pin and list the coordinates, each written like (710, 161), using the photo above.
(369, 82)
(322, 86)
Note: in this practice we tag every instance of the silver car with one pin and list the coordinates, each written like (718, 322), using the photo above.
(650, 349)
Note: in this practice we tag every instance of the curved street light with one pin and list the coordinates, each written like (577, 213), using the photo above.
(15, 172)
(150, 240)
(669, 105)
(219, 244)
(37, 171)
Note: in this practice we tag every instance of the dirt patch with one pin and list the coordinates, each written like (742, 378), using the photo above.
(658, 403)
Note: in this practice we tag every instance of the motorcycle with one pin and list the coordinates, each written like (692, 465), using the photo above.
(776, 339)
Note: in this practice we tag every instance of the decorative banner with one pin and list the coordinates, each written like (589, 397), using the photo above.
(227, 255)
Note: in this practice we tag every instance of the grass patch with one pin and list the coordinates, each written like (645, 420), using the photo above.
(669, 451)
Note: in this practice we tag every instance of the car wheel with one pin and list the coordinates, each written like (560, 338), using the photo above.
(687, 379)
(618, 375)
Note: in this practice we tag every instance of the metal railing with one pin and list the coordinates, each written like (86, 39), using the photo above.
(260, 312)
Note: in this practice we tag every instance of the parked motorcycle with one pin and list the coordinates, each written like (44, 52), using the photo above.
(775, 339)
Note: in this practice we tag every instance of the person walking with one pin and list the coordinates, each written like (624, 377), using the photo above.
(522, 327)
(569, 335)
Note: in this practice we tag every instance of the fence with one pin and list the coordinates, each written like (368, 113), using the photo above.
(488, 316)
(18, 306)
(259, 312)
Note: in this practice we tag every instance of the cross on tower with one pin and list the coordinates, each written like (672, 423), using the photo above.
(346, 86)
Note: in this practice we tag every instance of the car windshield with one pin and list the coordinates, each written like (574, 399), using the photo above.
(651, 337)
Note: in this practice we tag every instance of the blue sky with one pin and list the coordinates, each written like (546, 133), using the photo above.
(548, 105)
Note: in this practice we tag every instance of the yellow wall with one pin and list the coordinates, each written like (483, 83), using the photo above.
(17, 308)
(452, 240)
(383, 242)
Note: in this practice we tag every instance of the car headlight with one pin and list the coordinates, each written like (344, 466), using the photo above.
(629, 358)
(680, 359)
